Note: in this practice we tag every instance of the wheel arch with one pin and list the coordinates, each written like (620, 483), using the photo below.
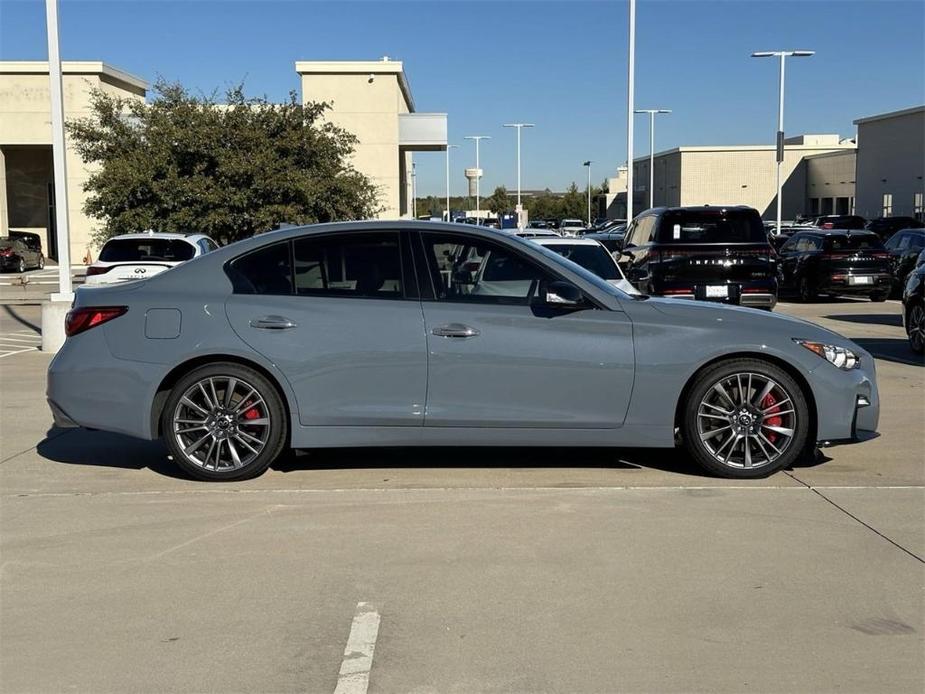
(179, 371)
(795, 373)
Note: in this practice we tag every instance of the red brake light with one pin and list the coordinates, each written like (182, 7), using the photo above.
(79, 320)
(96, 270)
(6, 252)
(827, 225)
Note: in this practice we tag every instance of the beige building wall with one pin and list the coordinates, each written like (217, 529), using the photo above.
(366, 99)
(891, 161)
(732, 175)
(25, 131)
(830, 183)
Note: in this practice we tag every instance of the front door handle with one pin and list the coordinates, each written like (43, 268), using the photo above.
(455, 330)
(272, 323)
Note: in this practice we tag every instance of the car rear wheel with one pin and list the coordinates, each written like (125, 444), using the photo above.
(807, 292)
(224, 422)
(22, 266)
(745, 418)
(41, 262)
(915, 328)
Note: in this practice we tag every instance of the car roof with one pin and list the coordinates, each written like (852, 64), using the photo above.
(159, 235)
(838, 232)
(549, 241)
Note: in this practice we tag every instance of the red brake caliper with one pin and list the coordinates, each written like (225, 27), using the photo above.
(770, 404)
(252, 413)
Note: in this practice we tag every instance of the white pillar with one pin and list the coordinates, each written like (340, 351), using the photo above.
(630, 107)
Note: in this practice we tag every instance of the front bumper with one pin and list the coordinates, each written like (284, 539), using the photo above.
(847, 403)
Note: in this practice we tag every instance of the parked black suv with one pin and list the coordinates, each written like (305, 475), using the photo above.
(835, 261)
(885, 227)
(904, 248)
(839, 221)
(711, 253)
(914, 306)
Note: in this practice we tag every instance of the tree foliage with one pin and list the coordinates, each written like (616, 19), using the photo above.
(499, 201)
(186, 163)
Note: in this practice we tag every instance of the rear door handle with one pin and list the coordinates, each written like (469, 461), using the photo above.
(272, 323)
(456, 330)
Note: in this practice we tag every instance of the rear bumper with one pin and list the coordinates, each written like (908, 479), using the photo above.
(841, 283)
(755, 294)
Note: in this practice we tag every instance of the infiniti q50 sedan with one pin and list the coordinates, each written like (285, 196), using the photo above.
(410, 333)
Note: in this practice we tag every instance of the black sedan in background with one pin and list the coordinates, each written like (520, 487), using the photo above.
(904, 248)
(914, 306)
(19, 256)
(885, 227)
(611, 238)
(833, 262)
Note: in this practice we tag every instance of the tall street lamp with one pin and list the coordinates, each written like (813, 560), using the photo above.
(588, 164)
(630, 99)
(652, 112)
(478, 175)
(780, 112)
(519, 127)
(414, 192)
(448, 148)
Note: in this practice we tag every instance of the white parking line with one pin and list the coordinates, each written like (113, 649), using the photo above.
(18, 342)
(358, 655)
(18, 351)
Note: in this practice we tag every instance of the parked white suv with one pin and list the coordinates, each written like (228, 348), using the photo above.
(139, 256)
(592, 256)
(572, 227)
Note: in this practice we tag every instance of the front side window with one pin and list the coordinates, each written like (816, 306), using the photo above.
(351, 264)
(478, 271)
(594, 258)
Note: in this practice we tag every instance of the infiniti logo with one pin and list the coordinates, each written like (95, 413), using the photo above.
(140, 270)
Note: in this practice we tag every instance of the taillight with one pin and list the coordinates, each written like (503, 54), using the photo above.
(880, 254)
(827, 225)
(97, 270)
(6, 252)
(79, 320)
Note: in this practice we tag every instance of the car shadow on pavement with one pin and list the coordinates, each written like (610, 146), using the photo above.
(12, 313)
(891, 319)
(890, 349)
(668, 460)
(103, 449)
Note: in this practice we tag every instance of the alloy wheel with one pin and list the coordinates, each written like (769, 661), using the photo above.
(917, 328)
(221, 423)
(746, 420)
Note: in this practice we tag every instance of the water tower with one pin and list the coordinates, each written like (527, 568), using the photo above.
(473, 176)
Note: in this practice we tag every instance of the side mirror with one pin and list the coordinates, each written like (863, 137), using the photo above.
(562, 295)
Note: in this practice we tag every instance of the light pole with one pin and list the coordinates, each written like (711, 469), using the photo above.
(519, 127)
(62, 235)
(630, 99)
(588, 164)
(780, 112)
(448, 148)
(414, 192)
(478, 176)
(652, 112)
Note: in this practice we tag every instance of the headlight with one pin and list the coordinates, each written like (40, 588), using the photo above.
(841, 357)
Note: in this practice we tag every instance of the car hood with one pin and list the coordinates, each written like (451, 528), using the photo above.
(757, 322)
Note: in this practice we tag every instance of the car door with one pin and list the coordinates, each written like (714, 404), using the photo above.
(340, 317)
(789, 256)
(495, 360)
(636, 252)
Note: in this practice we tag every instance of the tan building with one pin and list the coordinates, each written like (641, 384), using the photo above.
(373, 101)
(26, 175)
(891, 164)
(733, 175)
(830, 183)
(370, 99)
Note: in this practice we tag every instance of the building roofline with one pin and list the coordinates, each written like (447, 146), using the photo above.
(891, 114)
(751, 148)
(354, 67)
(72, 67)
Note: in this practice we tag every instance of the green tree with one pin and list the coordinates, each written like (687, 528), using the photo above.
(186, 163)
(500, 202)
(574, 203)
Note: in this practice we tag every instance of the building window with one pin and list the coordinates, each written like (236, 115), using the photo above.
(814, 206)
(887, 210)
(919, 206)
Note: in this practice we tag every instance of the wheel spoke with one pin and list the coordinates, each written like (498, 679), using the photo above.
(205, 396)
(229, 390)
(189, 403)
(196, 445)
(738, 437)
(714, 432)
(706, 415)
(748, 452)
(189, 421)
(784, 431)
(718, 409)
(768, 441)
(244, 401)
(259, 422)
(770, 410)
(236, 459)
(767, 456)
(189, 429)
(244, 443)
(768, 387)
(722, 391)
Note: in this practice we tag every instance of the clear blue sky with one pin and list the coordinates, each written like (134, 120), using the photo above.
(561, 65)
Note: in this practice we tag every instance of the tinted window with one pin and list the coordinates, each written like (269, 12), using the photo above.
(708, 226)
(853, 242)
(139, 250)
(265, 271)
(367, 265)
(474, 270)
(593, 258)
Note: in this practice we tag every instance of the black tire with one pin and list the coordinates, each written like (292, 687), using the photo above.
(798, 421)
(879, 297)
(21, 268)
(41, 262)
(808, 293)
(915, 327)
(271, 408)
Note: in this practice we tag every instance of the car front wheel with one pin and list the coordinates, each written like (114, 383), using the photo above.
(224, 422)
(745, 418)
(915, 328)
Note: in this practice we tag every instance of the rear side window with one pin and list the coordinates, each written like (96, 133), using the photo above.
(265, 271)
(853, 242)
(592, 258)
(141, 250)
(708, 226)
(359, 265)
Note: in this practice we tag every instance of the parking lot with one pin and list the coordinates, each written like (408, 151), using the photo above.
(462, 570)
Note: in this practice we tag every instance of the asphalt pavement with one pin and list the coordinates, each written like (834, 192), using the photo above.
(462, 570)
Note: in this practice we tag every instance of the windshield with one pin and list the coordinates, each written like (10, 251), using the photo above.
(139, 250)
(709, 226)
(853, 242)
(594, 258)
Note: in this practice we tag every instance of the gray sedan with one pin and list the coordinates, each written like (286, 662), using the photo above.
(407, 333)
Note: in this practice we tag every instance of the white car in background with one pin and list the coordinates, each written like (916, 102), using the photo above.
(138, 256)
(592, 256)
(572, 227)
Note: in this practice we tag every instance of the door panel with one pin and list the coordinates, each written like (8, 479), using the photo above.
(350, 361)
(520, 369)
